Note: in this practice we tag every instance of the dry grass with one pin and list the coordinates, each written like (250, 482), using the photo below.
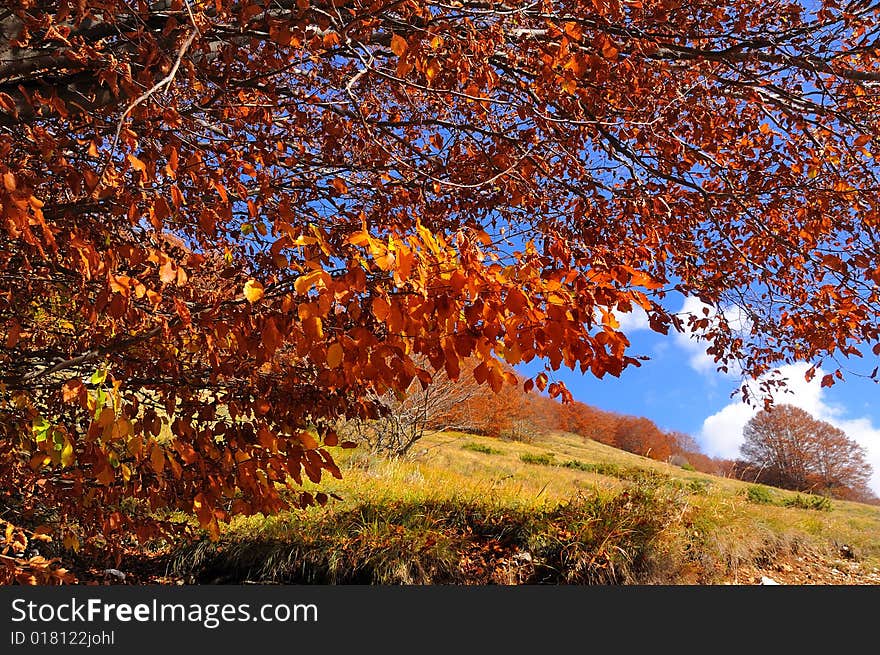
(464, 508)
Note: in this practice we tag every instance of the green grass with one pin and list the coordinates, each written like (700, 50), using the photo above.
(556, 510)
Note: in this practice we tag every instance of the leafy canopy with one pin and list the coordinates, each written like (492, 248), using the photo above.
(227, 224)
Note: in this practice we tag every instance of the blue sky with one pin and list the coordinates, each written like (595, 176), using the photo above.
(679, 389)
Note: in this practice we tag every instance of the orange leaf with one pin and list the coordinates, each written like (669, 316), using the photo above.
(137, 164)
(70, 390)
(339, 185)
(14, 334)
(432, 69)
(307, 440)
(157, 458)
(398, 45)
(381, 308)
(177, 197)
(334, 355)
(304, 283)
(167, 273)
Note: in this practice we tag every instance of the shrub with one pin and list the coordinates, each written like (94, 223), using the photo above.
(620, 537)
(480, 448)
(698, 486)
(546, 459)
(760, 495)
(610, 469)
(818, 503)
(581, 466)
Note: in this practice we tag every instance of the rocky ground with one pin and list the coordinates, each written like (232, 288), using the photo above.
(807, 569)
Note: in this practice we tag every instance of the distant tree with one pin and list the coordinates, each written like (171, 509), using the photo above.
(641, 436)
(723, 467)
(510, 413)
(587, 421)
(789, 448)
(838, 464)
(406, 416)
(682, 443)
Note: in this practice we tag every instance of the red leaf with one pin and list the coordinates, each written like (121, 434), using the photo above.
(14, 334)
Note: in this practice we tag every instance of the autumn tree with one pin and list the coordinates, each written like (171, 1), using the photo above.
(509, 413)
(226, 225)
(590, 422)
(788, 447)
(405, 416)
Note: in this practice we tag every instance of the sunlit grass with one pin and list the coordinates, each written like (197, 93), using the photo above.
(422, 518)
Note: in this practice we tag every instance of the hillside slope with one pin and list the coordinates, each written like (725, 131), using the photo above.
(466, 509)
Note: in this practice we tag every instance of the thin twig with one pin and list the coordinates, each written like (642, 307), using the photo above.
(165, 81)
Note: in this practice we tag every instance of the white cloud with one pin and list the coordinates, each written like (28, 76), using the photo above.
(721, 434)
(632, 321)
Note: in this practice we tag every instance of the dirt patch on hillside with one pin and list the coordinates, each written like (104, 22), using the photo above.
(807, 569)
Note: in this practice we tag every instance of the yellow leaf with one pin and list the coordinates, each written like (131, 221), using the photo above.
(253, 291)
(71, 542)
(305, 282)
(334, 355)
(313, 328)
(432, 69)
(67, 455)
(398, 45)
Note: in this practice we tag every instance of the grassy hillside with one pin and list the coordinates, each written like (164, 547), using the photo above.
(468, 509)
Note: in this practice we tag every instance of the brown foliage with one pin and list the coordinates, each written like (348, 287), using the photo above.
(788, 448)
(510, 413)
(18, 562)
(226, 225)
